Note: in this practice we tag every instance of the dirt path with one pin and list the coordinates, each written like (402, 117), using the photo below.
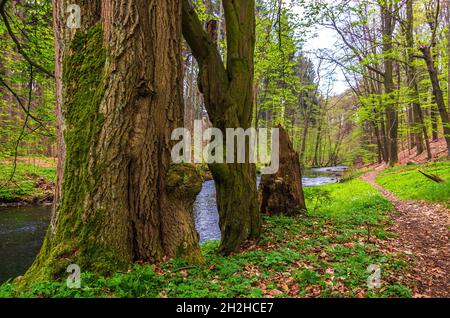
(423, 235)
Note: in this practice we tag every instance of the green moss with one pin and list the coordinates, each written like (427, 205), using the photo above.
(75, 238)
(183, 180)
(84, 88)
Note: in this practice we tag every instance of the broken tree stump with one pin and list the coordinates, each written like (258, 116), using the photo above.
(282, 192)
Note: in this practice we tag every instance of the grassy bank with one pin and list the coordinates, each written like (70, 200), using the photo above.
(324, 254)
(407, 183)
(30, 183)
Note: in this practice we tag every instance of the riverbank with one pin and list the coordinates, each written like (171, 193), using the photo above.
(323, 254)
(31, 182)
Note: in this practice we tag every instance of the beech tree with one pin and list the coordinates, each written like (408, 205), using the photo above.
(428, 55)
(119, 96)
(228, 94)
(387, 9)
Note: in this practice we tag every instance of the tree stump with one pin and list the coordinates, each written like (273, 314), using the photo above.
(282, 192)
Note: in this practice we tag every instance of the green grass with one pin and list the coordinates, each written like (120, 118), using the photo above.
(24, 187)
(323, 254)
(407, 183)
(353, 173)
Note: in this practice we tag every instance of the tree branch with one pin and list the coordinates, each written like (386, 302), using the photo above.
(18, 45)
(213, 78)
(25, 109)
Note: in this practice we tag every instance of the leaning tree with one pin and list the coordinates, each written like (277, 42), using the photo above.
(119, 91)
(228, 94)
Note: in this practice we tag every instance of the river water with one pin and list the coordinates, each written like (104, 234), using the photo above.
(22, 229)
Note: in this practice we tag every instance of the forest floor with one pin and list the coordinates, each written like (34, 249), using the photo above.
(395, 219)
(438, 150)
(422, 230)
(326, 253)
(30, 182)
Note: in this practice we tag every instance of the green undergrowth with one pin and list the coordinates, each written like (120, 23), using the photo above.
(30, 183)
(407, 183)
(353, 173)
(323, 254)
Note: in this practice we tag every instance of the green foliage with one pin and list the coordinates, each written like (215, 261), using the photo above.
(407, 182)
(317, 255)
(354, 203)
(24, 186)
(31, 24)
(284, 76)
(353, 173)
(318, 197)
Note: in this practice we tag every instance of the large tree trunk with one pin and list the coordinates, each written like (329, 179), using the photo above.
(120, 99)
(228, 94)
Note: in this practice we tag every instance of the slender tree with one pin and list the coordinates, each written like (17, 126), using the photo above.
(228, 94)
(388, 24)
(428, 56)
(411, 73)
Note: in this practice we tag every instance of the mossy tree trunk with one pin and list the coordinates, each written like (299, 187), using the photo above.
(118, 198)
(228, 92)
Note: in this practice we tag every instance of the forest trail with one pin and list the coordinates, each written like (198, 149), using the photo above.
(422, 234)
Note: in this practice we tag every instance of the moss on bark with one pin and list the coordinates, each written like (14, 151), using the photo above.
(73, 238)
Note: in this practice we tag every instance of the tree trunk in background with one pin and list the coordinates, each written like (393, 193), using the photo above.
(420, 130)
(282, 192)
(305, 135)
(391, 112)
(448, 56)
(118, 197)
(317, 145)
(228, 94)
(437, 92)
(378, 140)
(434, 119)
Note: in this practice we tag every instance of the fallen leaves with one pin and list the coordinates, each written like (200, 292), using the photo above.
(423, 237)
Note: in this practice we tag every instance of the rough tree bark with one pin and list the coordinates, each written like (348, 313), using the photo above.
(119, 96)
(228, 94)
(282, 192)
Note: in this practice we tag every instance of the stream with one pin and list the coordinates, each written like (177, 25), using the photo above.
(22, 229)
